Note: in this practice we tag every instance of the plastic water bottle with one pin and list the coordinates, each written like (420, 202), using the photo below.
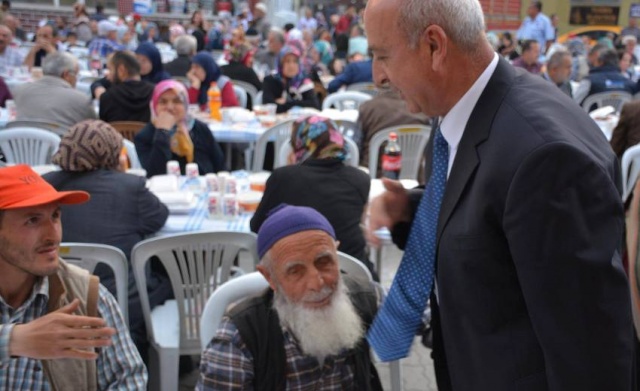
(96, 63)
(215, 101)
(392, 158)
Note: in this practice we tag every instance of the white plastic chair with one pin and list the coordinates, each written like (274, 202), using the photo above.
(249, 88)
(365, 88)
(30, 146)
(258, 100)
(616, 99)
(241, 95)
(54, 127)
(412, 139)
(630, 170)
(353, 160)
(279, 134)
(132, 154)
(349, 129)
(89, 255)
(196, 263)
(344, 100)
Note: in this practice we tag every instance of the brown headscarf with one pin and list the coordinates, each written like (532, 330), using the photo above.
(89, 145)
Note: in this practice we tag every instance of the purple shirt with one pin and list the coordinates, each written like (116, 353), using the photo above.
(534, 68)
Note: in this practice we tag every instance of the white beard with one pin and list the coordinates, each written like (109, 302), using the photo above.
(324, 331)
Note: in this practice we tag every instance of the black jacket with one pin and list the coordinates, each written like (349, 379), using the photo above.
(178, 67)
(127, 101)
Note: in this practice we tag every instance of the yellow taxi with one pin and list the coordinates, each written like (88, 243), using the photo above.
(593, 32)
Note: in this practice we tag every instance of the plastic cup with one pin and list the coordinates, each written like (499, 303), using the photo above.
(271, 108)
(173, 168)
(214, 204)
(192, 170)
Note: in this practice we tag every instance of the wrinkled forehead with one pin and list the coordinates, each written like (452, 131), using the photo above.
(305, 246)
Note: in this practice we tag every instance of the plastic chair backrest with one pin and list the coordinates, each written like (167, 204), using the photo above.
(412, 139)
(349, 129)
(344, 100)
(241, 95)
(366, 88)
(230, 292)
(630, 170)
(89, 255)
(54, 127)
(249, 88)
(258, 100)
(353, 267)
(30, 146)
(616, 99)
(132, 154)
(279, 134)
(196, 263)
(128, 129)
(353, 159)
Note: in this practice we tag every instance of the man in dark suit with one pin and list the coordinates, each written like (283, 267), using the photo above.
(530, 292)
(185, 46)
(355, 72)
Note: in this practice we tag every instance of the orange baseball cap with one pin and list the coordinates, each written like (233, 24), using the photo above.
(21, 187)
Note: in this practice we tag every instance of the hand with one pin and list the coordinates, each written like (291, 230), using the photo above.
(164, 120)
(388, 209)
(99, 91)
(193, 80)
(60, 334)
(182, 128)
(281, 101)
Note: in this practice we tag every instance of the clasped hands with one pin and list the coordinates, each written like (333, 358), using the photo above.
(386, 210)
(61, 334)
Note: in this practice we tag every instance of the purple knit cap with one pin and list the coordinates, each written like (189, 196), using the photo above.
(285, 220)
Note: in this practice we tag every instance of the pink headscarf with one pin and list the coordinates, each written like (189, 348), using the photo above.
(179, 89)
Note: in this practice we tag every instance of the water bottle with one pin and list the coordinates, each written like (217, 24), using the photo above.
(215, 101)
(392, 158)
(96, 63)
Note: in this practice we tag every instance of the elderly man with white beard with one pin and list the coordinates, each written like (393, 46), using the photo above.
(307, 330)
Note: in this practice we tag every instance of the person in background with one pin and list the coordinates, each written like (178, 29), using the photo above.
(205, 71)
(239, 44)
(289, 87)
(626, 134)
(631, 29)
(323, 46)
(10, 56)
(81, 23)
(197, 29)
(269, 55)
(128, 97)
(46, 43)
(319, 178)
(63, 29)
(559, 71)
(107, 40)
(307, 330)
(307, 21)
(537, 26)
(126, 39)
(5, 93)
(260, 22)
(151, 68)
(120, 213)
(6, 6)
(579, 63)
(238, 70)
(604, 77)
(99, 16)
(354, 72)
(529, 58)
(357, 43)
(626, 68)
(507, 48)
(60, 328)
(185, 46)
(54, 98)
(173, 135)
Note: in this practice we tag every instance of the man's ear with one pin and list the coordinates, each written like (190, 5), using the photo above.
(435, 42)
(267, 276)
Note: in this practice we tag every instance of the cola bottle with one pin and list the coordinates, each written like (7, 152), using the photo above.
(392, 158)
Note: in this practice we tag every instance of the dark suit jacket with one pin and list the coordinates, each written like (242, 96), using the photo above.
(531, 290)
(179, 66)
(627, 132)
(355, 72)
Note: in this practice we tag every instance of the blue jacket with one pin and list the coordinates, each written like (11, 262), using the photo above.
(608, 79)
(356, 72)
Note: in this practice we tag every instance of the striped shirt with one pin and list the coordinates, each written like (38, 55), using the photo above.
(227, 364)
(119, 366)
(12, 57)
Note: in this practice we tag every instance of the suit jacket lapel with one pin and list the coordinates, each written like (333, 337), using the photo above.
(477, 130)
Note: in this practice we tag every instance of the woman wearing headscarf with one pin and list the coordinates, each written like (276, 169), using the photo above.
(174, 135)
(205, 71)
(120, 213)
(289, 87)
(151, 68)
(319, 178)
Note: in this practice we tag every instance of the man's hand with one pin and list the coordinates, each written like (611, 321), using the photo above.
(60, 334)
(388, 209)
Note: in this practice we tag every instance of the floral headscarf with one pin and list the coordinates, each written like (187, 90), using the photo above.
(298, 79)
(181, 144)
(317, 137)
(88, 146)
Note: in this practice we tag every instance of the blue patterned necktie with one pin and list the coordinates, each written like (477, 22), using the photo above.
(395, 326)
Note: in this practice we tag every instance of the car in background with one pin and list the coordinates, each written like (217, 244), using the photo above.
(595, 33)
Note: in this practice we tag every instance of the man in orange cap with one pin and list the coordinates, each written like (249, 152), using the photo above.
(59, 326)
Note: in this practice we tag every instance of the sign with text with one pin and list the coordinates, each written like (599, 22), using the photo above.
(594, 15)
(634, 11)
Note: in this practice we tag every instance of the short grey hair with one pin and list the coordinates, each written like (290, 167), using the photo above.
(556, 58)
(185, 44)
(55, 64)
(278, 33)
(461, 20)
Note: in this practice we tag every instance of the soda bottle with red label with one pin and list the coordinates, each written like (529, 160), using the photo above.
(392, 158)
